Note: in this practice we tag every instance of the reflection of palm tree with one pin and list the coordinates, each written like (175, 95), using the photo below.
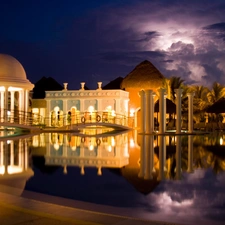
(216, 162)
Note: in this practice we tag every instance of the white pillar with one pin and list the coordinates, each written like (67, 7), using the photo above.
(2, 106)
(178, 110)
(190, 154)
(150, 111)
(6, 104)
(65, 121)
(190, 112)
(164, 113)
(161, 111)
(12, 106)
(143, 116)
(48, 113)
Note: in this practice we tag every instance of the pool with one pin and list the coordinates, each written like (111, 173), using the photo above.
(173, 178)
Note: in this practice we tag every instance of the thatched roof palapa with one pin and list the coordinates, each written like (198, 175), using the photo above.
(170, 106)
(217, 107)
(145, 75)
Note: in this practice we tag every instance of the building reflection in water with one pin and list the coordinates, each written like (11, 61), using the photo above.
(87, 151)
(144, 160)
(14, 163)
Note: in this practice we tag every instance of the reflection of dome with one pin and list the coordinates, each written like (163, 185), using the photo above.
(145, 75)
(11, 71)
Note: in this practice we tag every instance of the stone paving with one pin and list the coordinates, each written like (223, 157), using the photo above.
(17, 210)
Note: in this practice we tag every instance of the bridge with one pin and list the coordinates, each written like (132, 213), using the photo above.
(81, 120)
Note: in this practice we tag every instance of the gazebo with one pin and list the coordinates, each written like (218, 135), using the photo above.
(14, 89)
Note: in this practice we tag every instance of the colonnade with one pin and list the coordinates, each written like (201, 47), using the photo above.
(8, 102)
(147, 111)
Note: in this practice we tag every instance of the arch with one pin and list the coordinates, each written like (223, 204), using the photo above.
(56, 117)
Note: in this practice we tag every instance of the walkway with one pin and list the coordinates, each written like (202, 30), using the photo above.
(24, 211)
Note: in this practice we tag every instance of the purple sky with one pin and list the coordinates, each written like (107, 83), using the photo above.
(90, 41)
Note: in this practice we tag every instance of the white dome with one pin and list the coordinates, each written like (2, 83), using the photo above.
(12, 72)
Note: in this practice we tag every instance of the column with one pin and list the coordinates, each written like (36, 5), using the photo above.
(143, 116)
(161, 111)
(26, 100)
(190, 112)
(2, 106)
(12, 106)
(65, 119)
(178, 110)
(150, 111)
(190, 154)
(6, 104)
(48, 113)
(21, 105)
(165, 112)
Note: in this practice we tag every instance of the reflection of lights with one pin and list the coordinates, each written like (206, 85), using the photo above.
(221, 141)
(113, 113)
(11, 169)
(56, 146)
(8, 141)
(113, 141)
(132, 112)
(91, 147)
(132, 143)
(8, 113)
(109, 148)
(73, 148)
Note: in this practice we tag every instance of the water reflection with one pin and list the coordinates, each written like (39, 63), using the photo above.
(84, 151)
(160, 176)
(14, 164)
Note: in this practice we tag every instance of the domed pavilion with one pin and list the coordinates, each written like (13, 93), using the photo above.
(14, 89)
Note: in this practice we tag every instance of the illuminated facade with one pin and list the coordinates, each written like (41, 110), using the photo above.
(75, 106)
(14, 90)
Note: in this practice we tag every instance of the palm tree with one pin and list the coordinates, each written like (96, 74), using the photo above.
(217, 92)
(170, 85)
(200, 98)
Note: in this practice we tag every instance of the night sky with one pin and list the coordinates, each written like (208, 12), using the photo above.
(100, 40)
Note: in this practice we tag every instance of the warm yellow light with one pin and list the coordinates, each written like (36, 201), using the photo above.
(113, 113)
(91, 147)
(112, 141)
(132, 112)
(56, 146)
(109, 148)
(221, 141)
(132, 143)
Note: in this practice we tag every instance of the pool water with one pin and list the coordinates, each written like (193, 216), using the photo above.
(173, 178)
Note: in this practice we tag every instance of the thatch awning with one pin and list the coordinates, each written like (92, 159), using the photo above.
(145, 75)
(170, 106)
(114, 84)
(217, 107)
